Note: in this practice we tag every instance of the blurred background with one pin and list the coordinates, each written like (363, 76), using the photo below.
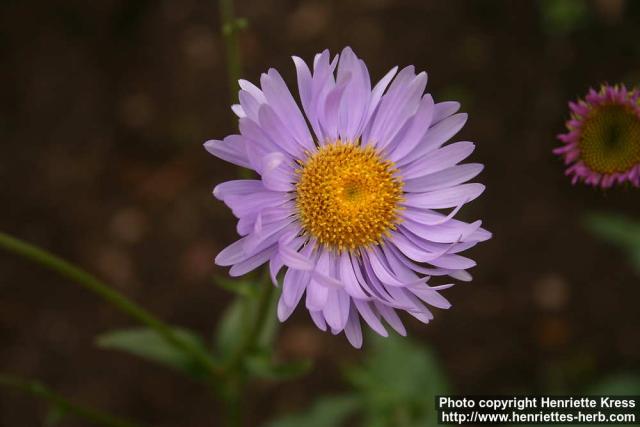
(105, 106)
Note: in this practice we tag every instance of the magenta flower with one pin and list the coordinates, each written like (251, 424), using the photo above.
(602, 145)
(348, 192)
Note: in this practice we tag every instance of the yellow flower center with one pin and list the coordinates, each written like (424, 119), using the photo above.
(347, 196)
(610, 140)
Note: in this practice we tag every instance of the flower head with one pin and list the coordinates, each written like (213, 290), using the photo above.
(348, 193)
(602, 144)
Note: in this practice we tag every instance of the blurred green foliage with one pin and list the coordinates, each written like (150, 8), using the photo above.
(618, 230)
(328, 411)
(395, 385)
(241, 314)
(261, 364)
(617, 385)
(148, 344)
(563, 16)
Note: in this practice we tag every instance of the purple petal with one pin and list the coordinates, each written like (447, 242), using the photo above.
(293, 286)
(276, 172)
(445, 198)
(382, 272)
(376, 95)
(446, 178)
(316, 296)
(417, 126)
(252, 262)
(348, 277)
(461, 275)
(453, 262)
(256, 219)
(444, 110)
(322, 81)
(413, 251)
(237, 187)
(391, 317)
(253, 90)
(252, 203)
(269, 235)
(280, 99)
(446, 233)
(258, 143)
(232, 254)
(318, 319)
(304, 81)
(294, 259)
(279, 133)
(436, 136)
(357, 96)
(419, 311)
(401, 270)
(396, 107)
(325, 273)
(428, 217)
(250, 105)
(231, 149)
(238, 110)
(284, 311)
(431, 297)
(336, 310)
(370, 317)
(329, 112)
(275, 265)
(437, 161)
(418, 268)
(352, 329)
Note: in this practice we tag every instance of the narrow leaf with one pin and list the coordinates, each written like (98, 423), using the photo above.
(148, 344)
(328, 411)
(261, 366)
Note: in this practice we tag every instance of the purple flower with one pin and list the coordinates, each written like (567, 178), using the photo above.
(348, 193)
(602, 145)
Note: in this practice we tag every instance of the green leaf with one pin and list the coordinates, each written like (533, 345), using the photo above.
(240, 287)
(330, 411)
(615, 228)
(271, 323)
(563, 16)
(399, 380)
(618, 230)
(232, 324)
(617, 385)
(242, 23)
(262, 366)
(55, 415)
(635, 259)
(148, 344)
(240, 317)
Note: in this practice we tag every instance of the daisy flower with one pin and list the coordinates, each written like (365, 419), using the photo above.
(602, 144)
(348, 195)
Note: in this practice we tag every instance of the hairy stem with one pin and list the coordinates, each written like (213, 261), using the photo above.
(37, 389)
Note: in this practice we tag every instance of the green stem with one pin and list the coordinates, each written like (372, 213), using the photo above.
(233, 402)
(37, 389)
(89, 282)
(253, 332)
(236, 378)
(230, 26)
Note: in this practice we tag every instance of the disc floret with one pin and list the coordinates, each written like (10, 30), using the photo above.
(347, 195)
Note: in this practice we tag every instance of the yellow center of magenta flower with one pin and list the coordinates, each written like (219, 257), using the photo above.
(610, 140)
(347, 196)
